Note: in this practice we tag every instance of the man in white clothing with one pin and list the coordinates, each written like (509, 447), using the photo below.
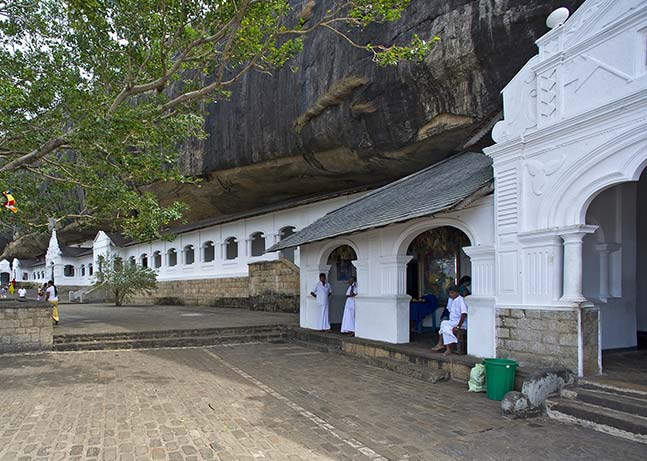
(457, 317)
(322, 292)
(22, 293)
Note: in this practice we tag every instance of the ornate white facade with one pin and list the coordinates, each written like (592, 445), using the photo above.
(575, 126)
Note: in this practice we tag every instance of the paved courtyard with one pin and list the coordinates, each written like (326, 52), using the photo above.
(260, 401)
(107, 318)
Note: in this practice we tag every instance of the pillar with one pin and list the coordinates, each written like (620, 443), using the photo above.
(605, 250)
(382, 306)
(573, 263)
(481, 312)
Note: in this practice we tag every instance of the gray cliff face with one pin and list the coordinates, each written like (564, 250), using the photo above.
(363, 124)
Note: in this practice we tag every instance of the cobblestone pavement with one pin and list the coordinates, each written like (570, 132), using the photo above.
(105, 318)
(260, 401)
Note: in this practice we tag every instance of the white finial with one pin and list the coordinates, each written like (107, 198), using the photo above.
(557, 17)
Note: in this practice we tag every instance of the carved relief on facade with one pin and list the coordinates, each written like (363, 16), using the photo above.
(520, 106)
(540, 170)
(548, 95)
(588, 83)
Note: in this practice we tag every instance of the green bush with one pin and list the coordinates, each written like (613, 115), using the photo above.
(123, 280)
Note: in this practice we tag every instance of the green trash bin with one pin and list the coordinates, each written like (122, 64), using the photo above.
(499, 377)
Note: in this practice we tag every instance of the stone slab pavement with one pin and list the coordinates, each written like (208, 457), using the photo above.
(107, 318)
(261, 402)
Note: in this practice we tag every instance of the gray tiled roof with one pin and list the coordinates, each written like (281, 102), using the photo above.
(28, 263)
(75, 252)
(437, 188)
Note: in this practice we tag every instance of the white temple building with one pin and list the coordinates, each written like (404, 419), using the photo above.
(550, 223)
(558, 255)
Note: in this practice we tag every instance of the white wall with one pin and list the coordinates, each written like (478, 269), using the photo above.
(382, 306)
(269, 224)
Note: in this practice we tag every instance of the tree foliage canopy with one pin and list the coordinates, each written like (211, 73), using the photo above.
(98, 96)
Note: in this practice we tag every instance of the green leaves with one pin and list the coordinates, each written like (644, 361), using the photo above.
(125, 278)
(123, 85)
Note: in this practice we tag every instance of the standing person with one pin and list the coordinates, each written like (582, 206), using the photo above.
(348, 321)
(322, 292)
(457, 317)
(41, 292)
(51, 295)
(11, 288)
(3, 291)
(22, 293)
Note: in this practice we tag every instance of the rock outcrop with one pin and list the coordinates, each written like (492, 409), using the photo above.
(334, 120)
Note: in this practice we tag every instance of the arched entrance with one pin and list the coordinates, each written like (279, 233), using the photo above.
(615, 269)
(341, 269)
(438, 261)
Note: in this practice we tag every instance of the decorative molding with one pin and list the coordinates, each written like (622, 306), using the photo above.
(548, 94)
(540, 170)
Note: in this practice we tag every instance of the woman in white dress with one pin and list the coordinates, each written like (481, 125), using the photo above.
(348, 321)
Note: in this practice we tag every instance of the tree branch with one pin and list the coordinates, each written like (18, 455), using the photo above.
(34, 155)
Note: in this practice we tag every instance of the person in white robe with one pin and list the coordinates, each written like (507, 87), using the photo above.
(457, 318)
(348, 321)
(322, 292)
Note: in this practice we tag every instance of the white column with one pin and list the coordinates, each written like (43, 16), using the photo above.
(573, 263)
(393, 274)
(605, 249)
(248, 247)
(382, 307)
(557, 268)
(483, 271)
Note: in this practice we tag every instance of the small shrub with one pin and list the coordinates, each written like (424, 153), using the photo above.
(124, 280)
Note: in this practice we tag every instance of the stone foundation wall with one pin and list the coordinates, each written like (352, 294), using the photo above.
(537, 337)
(25, 326)
(222, 292)
(591, 340)
(272, 286)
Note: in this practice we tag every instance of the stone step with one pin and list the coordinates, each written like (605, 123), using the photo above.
(414, 371)
(610, 421)
(636, 405)
(458, 366)
(137, 335)
(422, 371)
(316, 346)
(189, 341)
(613, 386)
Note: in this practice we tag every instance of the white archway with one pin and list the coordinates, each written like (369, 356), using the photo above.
(619, 160)
(407, 236)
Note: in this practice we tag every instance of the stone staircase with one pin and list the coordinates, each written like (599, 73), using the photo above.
(610, 407)
(409, 360)
(169, 338)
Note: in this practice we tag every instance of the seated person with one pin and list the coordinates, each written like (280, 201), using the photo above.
(457, 317)
(465, 286)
